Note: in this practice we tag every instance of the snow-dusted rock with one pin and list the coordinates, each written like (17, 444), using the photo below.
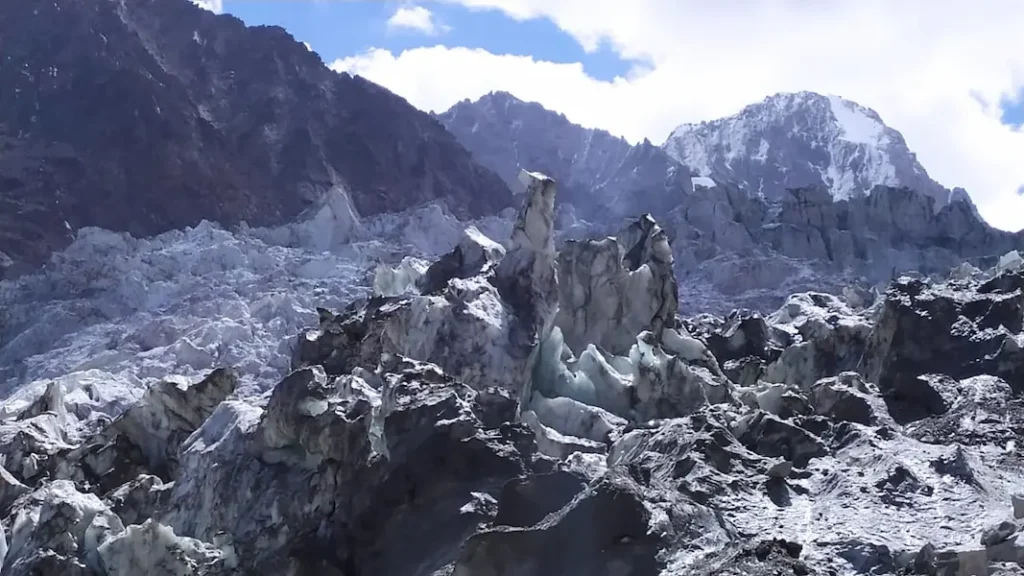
(479, 318)
(821, 337)
(57, 530)
(474, 255)
(844, 398)
(10, 490)
(27, 445)
(999, 533)
(743, 334)
(607, 529)
(958, 330)
(325, 450)
(771, 436)
(146, 438)
(140, 499)
(152, 548)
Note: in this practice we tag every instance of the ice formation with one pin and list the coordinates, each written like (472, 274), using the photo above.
(501, 408)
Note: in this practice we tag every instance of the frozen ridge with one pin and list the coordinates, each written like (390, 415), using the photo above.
(112, 314)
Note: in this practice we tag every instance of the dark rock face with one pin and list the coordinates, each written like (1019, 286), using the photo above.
(600, 175)
(149, 115)
(604, 531)
(959, 330)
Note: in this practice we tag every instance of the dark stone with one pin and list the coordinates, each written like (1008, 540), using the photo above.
(526, 501)
(769, 436)
(957, 466)
(744, 334)
(955, 330)
(603, 532)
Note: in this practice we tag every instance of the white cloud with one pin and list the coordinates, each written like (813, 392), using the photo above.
(933, 69)
(215, 6)
(415, 18)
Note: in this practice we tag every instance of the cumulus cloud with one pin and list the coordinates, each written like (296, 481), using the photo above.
(415, 18)
(933, 69)
(215, 6)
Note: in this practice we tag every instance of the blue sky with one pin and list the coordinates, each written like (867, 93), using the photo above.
(346, 28)
(340, 29)
(1013, 111)
(931, 68)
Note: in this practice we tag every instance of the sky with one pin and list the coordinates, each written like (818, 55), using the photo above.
(948, 74)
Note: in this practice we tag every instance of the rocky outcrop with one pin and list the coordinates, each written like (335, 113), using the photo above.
(482, 312)
(153, 115)
(755, 252)
(451, 429)
(787, 200)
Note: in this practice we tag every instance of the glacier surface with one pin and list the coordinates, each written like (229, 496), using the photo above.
(112, 314)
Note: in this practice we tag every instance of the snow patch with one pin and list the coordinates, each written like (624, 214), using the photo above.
(854, 122)
(703, 181)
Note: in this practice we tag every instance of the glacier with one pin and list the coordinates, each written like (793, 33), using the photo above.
(539, 403)
(112, 314)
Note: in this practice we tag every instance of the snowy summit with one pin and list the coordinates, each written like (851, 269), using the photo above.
(803, 139)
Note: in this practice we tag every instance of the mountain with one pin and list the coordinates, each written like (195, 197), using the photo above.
(799, 192)
(150, 115)
(799, 140)
(600, 175)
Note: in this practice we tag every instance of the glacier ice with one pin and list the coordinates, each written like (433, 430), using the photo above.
(420, 399)
(127, 312)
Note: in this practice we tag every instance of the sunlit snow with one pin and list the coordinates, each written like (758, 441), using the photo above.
(856, 125)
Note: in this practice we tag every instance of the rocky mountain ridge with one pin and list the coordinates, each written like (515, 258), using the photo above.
(601, 176)
(515, 408)
(150, 115)
(738, 242)
(803, 140)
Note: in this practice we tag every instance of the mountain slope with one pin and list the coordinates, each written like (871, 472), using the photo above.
(778, 203)
(149, 115)
(796, 140)
(599, 174)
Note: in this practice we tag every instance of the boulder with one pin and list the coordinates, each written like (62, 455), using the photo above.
(844, 398)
